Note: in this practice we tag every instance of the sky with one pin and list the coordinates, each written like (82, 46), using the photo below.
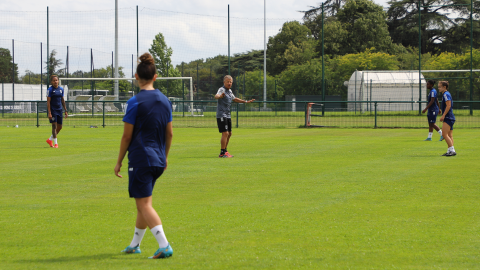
(238, 8)
(193, 29)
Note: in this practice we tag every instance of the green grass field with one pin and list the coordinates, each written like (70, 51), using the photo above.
(290, 198)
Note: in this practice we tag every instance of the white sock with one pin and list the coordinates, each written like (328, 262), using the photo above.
(160, 236)
(440, 132)
(51, 138)
(54, 140)
(451, 149)
(137, 237)
(430, 135)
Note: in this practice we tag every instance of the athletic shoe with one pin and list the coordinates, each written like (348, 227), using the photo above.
(445, 154)
(55, 146)
(428, 139)
(132, 250)
(163, 253)
(228, 154)
(50, 142)
(441, 138)
(451, 154)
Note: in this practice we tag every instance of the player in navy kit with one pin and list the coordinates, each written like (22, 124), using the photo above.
(147, 136)
(55, 101)
(224, 99)
(448, 118)
(433, 111)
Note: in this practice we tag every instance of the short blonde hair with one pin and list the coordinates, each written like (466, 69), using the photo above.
(227, 77)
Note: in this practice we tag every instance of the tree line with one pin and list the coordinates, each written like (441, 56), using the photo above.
(357, 35)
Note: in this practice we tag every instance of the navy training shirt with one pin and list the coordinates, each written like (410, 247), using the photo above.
(432, 110)
(149, 111)
(55, 95)
(446, 97)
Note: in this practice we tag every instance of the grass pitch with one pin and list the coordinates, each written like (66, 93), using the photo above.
(290, 198)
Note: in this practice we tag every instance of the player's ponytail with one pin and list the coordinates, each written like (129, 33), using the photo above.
(445, 84)
(146, 68)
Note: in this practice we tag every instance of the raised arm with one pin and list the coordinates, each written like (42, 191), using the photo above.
(237, 100)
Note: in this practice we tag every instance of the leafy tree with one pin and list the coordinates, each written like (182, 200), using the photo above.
(52, 64)
(161, 54)
(304, 79)
(342, 67)
(30, 78)
(254, 87)
(293, 36)
(6, 64)
(366, 27)
(356, 26)
(444, 25)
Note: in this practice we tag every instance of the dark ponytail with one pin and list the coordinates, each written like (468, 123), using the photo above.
(146, 68)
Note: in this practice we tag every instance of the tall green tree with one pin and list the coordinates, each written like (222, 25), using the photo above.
(53, 64)
(294, 37)
(161, 54)
(356, 26)
(443, 24)
(6, 65)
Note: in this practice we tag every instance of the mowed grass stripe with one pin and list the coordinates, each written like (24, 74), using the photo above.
(309, 198)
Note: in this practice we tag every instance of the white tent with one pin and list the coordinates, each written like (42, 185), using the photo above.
(26, 92)
(388, 85)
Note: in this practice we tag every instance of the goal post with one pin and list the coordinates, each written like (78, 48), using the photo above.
(91, 108)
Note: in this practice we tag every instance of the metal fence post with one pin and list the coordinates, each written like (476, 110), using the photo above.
(37, 114)
(376, 114)
(237, 115)
(103, 105)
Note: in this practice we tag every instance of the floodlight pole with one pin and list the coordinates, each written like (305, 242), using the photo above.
(115, 87)
(48, 52)
(265, 53)
(323, 64)
(471, 56)
(419, 57)
(228, 13)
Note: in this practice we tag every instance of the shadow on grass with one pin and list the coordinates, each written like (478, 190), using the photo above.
(105, 256)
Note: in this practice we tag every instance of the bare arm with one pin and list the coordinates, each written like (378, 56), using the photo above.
(243, 101)
(48, 108)
(438, 105)
(217, 96)
(124, 143)
(168, 141)
(447, 109)
(429, 104)
(64, 107)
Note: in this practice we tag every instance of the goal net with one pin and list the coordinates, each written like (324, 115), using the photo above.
(100, 96)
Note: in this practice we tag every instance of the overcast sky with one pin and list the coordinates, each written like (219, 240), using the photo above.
(193, 29)
(238, 8)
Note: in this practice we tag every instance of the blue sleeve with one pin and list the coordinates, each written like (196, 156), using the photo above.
(49, 91)
(433, 94)
(131, 111)
(63, 91)
(447, 97)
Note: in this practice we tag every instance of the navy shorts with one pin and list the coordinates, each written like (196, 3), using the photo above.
(224, 124)
(449, 122)
(57, 117)
(432, 118)
(142, 180)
